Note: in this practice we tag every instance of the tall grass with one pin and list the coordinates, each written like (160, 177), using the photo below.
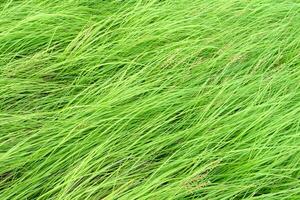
(149, 99)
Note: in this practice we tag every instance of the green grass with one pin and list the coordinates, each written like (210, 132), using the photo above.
(149, 99)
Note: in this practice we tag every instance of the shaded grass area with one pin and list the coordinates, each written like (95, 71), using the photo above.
(149, 99)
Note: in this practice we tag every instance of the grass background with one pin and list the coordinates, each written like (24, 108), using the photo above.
(149, 99)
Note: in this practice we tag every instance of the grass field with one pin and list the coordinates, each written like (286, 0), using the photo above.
(149, 99)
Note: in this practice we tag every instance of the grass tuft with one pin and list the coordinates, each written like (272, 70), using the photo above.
(149, 99)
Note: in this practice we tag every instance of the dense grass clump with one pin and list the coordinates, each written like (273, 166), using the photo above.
(149, 99)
